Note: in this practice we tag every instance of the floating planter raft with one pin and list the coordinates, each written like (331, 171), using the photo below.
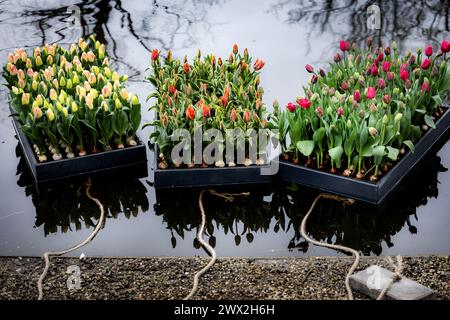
(207, 95)
(71, 112)
(127, 158)
(367, 122)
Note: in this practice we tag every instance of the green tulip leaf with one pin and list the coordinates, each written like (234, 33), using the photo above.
(392, 153)
(306, 147)
(336, 155)
(409, 144)
(429, 121)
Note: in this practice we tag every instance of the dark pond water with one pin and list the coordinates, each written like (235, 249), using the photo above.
(287, 34)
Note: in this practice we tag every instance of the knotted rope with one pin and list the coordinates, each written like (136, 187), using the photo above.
(396, 276)
(229, 197)
(332, 246)
(47, 254)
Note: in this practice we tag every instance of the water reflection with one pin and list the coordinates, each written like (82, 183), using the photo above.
(282, 209)
(402, 21)
(65, 207)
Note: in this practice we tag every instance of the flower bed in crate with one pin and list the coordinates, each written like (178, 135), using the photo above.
(366, 122)
(71, 112)
(207, 94)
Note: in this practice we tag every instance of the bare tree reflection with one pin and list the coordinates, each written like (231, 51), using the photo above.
(149, 24)
(402, 21)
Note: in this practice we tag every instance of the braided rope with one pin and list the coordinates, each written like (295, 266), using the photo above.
(47, 254)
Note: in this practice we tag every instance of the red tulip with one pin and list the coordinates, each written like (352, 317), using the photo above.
(340, 112)
(387, 51)
(357, 96)
(404, 66)
(381, 84)
(190, 113)
(322, 73)
(224, 100)
(380, 57)
(374, 70)
(309, 68)
(407, 84)
(404, 75)
(233, 115)
(314, 79)
(344, 45)
(304, 103)
(172, 89)
(426, 87)
(425, 64)
(319, 111)
(371, 93)
(186, 67)
(390, 76)
(344, 85)
(206, 111)
(337, 57)
(386, 66)
(247, 116)
(445, 46)
(155, 54)
(291, 107)
(429, 50)
(387, 99)
(259, 64)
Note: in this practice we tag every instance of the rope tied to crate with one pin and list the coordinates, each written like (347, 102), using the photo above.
(396, 275)
(354, 252)
(47, 254)
(228, 197)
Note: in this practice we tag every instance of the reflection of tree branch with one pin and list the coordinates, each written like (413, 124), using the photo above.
(400, 20)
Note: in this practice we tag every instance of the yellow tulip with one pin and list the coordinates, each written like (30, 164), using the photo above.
(50, 115)
(38, 61)
(74, 107)
(25, 98)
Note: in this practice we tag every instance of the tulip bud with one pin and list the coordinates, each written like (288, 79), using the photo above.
(233, 115)
(117, 104)
(134, 100)
(37, 112)
(25, 99)
(235, 48)
(114, 76)
(15, 90)
(38, 61)
(385, 119)
(124, 94)
(373, 131)
(39, 101)
(74, 107)
(62, 82)
(349, 124)
(105, 106)
(65, 112)
(398, 117)
(396, 91)
(50, 115)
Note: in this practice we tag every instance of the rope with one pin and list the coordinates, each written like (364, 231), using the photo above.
(332, 246)
(229, 197)
(47, 254)
(397, 274)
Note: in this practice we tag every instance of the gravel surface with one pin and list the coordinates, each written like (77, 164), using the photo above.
(229, 278)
